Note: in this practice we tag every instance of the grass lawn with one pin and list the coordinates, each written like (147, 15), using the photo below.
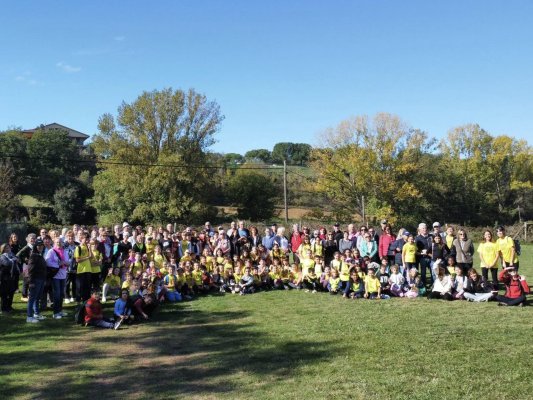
(280, 345)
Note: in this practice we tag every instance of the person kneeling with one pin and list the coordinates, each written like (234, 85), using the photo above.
(93, 312)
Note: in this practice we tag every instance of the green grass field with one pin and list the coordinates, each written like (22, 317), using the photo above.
(280, 345)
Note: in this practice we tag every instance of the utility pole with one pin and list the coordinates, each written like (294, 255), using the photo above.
(363, 204)
(285, 190)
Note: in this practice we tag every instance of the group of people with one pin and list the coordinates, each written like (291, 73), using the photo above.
(141, 267)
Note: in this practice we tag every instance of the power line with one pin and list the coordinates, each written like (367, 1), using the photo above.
(137, 164)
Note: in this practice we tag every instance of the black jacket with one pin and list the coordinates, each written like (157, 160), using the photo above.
(36, 267)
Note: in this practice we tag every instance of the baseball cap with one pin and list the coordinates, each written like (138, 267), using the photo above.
(436, 224)
(384, 221)
(125, 224)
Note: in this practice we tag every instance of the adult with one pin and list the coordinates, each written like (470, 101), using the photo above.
(70, 283)
(337, 233)
(254, 239)
(464, 251)
(330, 247)
(23, 256)
(207, 228)
(439, 253)
(83, 256)
(9, 276)
(296, 240)
(13, 243)
(385, 250)
(345, 243)
(243, 231)
(506, 249)
(369, 248)
(123, 248)
(56, 259)
(268, 239)
(437, 230)
(488, 255)
(397, 245)
(36, 279)
(423, 243)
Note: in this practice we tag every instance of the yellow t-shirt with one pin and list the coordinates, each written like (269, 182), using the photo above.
(409, 252)
(489, 251)
(308, 264)
(317, 249)
(137, 267)
(372, 284)
(505, 245)
(449, 240)
(83, 266)
(96, 262)
(197, 276)
(209, 263)
(170, 281)
(126, 284)
(112, 280)
(159, 259)
(345, 272)
(150, 246)
(334, 283)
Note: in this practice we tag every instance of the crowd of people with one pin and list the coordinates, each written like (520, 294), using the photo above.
(140, 268)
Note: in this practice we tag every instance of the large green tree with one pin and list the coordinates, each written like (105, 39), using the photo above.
(293, 153)
(153, 158)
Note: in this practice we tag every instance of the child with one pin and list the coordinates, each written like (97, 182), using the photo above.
(93, 312)
(452, 266)
(170, 283)
(415, 286)
(476, 288)
(310, 280)
(516, 288)
(372, 285)
(246, 284)
(442, 285)
(383, 277)
(295, 281)
(111, 284)
(396, 282)
(122, 309)
(334, 282)
(356, 288)
(458, 284)
(409, 253)
(324, 278)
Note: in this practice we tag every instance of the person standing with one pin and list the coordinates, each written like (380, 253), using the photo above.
(36, 281)
(56, 259)
(9, 277)
(24, 256)
(464, 250)
(506, 249)
(488, 255)
(83, 256)
(424, 242)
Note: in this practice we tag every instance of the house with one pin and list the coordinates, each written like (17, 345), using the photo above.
(75, 135)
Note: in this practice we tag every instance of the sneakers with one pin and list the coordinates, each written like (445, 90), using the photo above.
(63, 314)
(32, 320)
(104, 300)
(117, 324)
(67, 301)
(24, 299)
(314, 291)
(71, 300)
(57, 316)
(38, 317)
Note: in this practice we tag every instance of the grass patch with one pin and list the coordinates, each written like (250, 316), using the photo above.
(273, 345)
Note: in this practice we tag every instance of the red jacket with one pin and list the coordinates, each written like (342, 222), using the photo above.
(514, 288)
(296, 241)
(93, 310)
(384, 243)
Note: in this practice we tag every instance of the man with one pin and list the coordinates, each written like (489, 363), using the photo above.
(209, 229)
(42, 234)
(123, 247)
(437, 231)
(70, 285)
(233, 226)
(105, 247)
(243, 231)
(337, 233)
(268, 239)
(424, 243)
(506, 249)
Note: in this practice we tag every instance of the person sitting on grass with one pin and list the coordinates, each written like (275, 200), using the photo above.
(246, 284)
(372, 285)
(415, 286)
(170, 282)
(111, 284)
(310, 279)
(334, 283)
(144, 306)
(324, 279)
(476, 288)
(122, 309)
(93, 312)
(356, 286)
(458, 284)
(295, 277)
(396, 282)
(442, 285)
(516, 288)
(383, 277)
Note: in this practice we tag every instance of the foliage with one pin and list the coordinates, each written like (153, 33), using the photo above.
(8, 197)
(263, 155)
(234, 158)
(293, 153)
(69, 201)
(170, 128)
(254, 193)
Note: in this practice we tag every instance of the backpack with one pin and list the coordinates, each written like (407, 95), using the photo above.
(517, 246)
(79, 314)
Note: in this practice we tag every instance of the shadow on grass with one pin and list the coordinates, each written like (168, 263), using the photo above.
(182, 353)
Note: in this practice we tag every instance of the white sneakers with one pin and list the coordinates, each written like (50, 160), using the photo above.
(39, 317)
(32, 320)
(67, 301)
(104, 300)
(58, 316)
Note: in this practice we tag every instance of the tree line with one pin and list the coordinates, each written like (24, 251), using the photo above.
(151, 162)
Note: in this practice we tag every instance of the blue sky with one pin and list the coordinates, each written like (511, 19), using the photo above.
(280, 70)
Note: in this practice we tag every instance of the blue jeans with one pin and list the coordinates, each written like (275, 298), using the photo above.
(58, 288)
(36, 291)
(173, 296)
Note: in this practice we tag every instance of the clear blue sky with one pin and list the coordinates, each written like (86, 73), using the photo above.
(280, 70)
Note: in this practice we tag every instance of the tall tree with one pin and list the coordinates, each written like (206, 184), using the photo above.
(293, 153)
(263, 155)
(167, 127)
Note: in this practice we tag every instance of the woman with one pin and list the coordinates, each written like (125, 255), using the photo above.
(476, 288)
(254, 238)
(369, 247)
(439, 253)
(14, 243)
(385, 241)
(488, 255)
(56, 259)
(9, 277)
(464, 251)
(345, 243)
(304, 247)
(36, 279)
